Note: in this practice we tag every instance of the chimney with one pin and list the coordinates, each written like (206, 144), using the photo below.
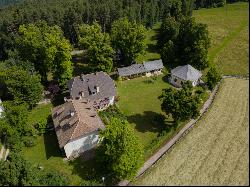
(72, 113)
(97, 89)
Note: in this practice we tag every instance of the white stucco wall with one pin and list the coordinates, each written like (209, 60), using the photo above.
(1, 108)
(80, 145)
(178, 82)
(111, 100)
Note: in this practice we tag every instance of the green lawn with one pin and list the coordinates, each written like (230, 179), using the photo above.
(46, 152)
(39, 113)
(139, 102)
(151, 51)
(228, 30)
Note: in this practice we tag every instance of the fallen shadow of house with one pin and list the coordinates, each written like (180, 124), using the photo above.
(51, 145)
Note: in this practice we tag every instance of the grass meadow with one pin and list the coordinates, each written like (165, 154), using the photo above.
(215, 151)
(228, 29)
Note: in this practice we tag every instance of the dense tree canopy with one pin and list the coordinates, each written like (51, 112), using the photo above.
(69, 14)
(185, 43)
(181, 104)
(22, 85)
(14, 126)
(16, 171)
(212, 77)
(209, 3)
(129, 38)
(98, 46)
(120, 152)
(47, 49)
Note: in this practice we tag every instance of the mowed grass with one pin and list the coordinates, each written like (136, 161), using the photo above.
(227, 30)
(215, 151)
(151, 53)
(139, 102)
(46, 152)
(234, 59)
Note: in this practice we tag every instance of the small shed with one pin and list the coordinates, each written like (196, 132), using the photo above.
(153, 67)
(132, 71)
(184, 73)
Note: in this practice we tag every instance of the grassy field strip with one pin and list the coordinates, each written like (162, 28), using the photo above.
(215, 151)
(226, 41)
(234, 58)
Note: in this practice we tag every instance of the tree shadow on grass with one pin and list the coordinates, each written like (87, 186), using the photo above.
(89, 170)
(150, 122)
(51, 145)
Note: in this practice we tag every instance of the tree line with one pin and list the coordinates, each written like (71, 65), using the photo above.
(4, 3)
(68, 14)
(214, 3)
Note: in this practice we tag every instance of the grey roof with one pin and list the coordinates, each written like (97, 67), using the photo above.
(88, 84)
(131, 70)
(153, 65)
(186, 72)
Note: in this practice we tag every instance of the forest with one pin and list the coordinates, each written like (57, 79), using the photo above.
(68, 14)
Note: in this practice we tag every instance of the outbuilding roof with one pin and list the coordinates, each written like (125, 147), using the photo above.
(75, 119)
(140, 68)
(131, 70)
(89, 83)
(153, 65)
(186, 72)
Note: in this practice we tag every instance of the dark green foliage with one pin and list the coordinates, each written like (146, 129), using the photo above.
(209, 3)
(234, 1)
(16, 171)
(128, 37)
(181, 104)
(24, 86)
(185, 43)
(47, 49)
(169, 31)
(212, 77)
(98, 46)
(111, 112)
(69, 14)
(14, 126)
(7, 2)
(53, 179)
(120, 152)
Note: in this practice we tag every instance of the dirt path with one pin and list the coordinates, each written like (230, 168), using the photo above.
(152, 160)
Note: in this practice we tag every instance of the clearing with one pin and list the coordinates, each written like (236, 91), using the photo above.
(215, 151)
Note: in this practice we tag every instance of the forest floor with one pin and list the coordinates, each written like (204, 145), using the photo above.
(215, 151)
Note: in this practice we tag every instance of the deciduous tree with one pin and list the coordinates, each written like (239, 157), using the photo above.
(98, 46)
(213, 77)
(180, 103)
(22, 85)
(129, 38)
(120, 152)
(46, 47)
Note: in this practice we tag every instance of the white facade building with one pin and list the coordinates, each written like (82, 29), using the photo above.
(185, 73)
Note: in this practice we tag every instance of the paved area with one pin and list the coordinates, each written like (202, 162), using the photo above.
(153, 159)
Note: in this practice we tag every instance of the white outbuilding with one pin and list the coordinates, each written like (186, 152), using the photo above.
(185, 73)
